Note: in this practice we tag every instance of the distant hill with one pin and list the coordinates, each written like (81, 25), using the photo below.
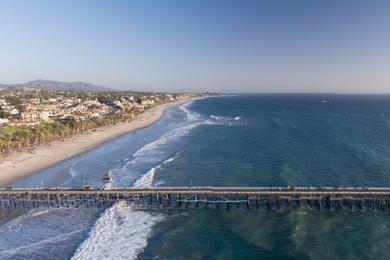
(57, 85)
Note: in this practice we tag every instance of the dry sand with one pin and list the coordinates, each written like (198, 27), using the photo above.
(20, 165)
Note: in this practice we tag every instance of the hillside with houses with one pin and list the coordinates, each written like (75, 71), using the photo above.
(31, 116)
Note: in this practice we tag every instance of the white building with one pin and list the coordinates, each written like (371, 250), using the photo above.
(29, 116)
(3, 121)
(14, 111)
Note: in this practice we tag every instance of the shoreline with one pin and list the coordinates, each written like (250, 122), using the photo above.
(21, 165)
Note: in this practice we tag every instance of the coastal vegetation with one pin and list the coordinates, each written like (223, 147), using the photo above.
(33, 117)
(24, 138)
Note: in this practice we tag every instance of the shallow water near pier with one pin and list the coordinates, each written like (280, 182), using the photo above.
(258, 140)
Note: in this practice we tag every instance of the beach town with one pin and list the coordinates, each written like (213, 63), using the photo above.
(41, 127)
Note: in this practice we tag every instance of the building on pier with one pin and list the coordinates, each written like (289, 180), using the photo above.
(107, 181)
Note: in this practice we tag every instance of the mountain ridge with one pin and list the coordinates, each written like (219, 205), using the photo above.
(59, 85)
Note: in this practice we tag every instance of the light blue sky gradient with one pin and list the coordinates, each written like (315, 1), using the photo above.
(214, 45)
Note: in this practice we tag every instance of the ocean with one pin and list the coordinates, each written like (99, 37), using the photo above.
(231, 140)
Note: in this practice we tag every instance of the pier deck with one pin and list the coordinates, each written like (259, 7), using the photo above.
(192, 197)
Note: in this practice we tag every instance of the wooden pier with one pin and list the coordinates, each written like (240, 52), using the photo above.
(197, 197)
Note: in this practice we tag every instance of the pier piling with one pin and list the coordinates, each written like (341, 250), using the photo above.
(373, 199)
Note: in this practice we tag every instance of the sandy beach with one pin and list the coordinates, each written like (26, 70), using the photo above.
(21, 165)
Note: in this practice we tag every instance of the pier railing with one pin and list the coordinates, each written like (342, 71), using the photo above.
(207, 197)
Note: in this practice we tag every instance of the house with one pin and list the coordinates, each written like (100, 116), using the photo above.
(14, 111)
(29, 116)
(3, 102)
(45, 116)
(3, 121)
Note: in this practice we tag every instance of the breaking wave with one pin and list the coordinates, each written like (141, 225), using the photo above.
(147, 179)
(40, 232)
(190, 115)
(122, 232)
(118, 232)
(224, 119)
(147, 158)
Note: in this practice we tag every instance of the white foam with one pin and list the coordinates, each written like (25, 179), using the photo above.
(170, 160)
(152, 148)
(44, 249)
(224, 118)
(159, 183)
(153, 152)
(147, 179)
(215, 117)
(125, 174)
(37, 213)
(149, 154)
(39, 230)
(190, 115)
(120, 233)
(72, 172)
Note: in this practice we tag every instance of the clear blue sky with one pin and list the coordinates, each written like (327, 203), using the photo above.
(214, 45)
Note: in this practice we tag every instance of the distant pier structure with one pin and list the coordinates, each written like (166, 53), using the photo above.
(352, 198)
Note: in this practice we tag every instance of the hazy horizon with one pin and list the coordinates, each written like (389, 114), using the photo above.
(197, 91)
(203, 46)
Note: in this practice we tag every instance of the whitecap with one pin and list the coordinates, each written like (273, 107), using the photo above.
(152, 153)
(190, 115)
(120, 233)
(159, 183)
(147, 179)
(215, 117)
(39, 230)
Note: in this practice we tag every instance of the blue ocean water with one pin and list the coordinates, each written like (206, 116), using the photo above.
(279, 139)
(241, 140)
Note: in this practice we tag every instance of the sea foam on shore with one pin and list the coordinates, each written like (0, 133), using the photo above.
(122, 232)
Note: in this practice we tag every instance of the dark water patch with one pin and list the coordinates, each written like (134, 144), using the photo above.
(287, 234)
